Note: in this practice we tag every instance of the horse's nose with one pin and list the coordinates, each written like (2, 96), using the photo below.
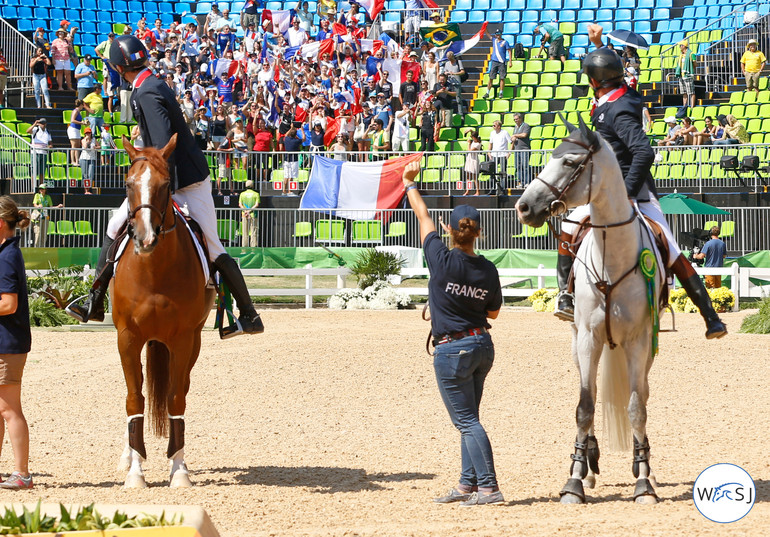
(150, 240)
(522, 207)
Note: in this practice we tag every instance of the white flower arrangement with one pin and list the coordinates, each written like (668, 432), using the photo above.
(379, 296)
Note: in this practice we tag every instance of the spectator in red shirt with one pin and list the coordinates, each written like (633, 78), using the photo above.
(264, 144)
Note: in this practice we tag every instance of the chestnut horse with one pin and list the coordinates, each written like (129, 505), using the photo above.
(159, 299)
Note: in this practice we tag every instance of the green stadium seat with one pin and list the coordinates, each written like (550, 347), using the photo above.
(491, 117)
(572, 66)
(484, 132)
(330, 230)
(436, 162)
(567, 28)
(443, 146)
(736, 97)
(8, 115)
(509, 92)
(530, 79)
(480, 105)
(21, 172)
(711, 223)
(74, 172)
(697, 113)
(430, 176)
(57, 158)
(66, 116)
(65, 228)
(21, 127)
(570, 105)
(396, 229)
(539, 106)
(531, 232)
(563, 93)
(56, 173)
(763, 97)
(727, 229)
(525, 92)
(360, 231)
(749, 97)
(532, 118)
(739, 110)
(520, 105)
(501, 106)
(451, 175)
(517, 66)
(534, 66)
(240, 176)
(549, 79)
(552, 66)
(448, 134)
(51, 228)
(83, 228)
(302, 229)
(227, 230)
(754, 125)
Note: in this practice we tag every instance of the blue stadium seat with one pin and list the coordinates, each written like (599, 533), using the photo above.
(56, 14)
(464, 5)
(476, 16)
(41, 12)
(623, 15)
(535, 4)
(580, 40)
(73, 15)
(25, 25)
(501, 5)
(530, 16)
(553, 4)
(572, 4)
(494, 16)
(642, 27)
(649, 4)
(527, 28)
(603, 15)
(688, 25)
(108, 17)
(577, 52)
(586, 15)
(168, 18)
(396, 4)
(89, 4)
(59, 3)
(628, 4)
(135, 7)
(665, 3)
(567, 15)
(662, 26)
(526, 40)
(609, 4)
(118, 5)
(395, 16)
(88, 15)
(181, 7)
(103, 28)
(700, 12)
(165, 7)
(9, 12)
(590, 4)
(511, 28)
(27, 3)
(643, 15)
(88, 27)
(660, 14)
(25, 12)
(202, 8)
(674, 26)
(688, 12)
(481, 4)
(512, 16)
(623, 25)
(520, 5)
(456, 16)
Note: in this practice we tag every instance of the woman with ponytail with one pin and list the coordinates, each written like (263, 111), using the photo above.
(15, 341)
(463, 292)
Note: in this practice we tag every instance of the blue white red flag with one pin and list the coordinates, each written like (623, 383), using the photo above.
(459, 47)
(372, 7)
(371, 45)
(223, 68)
(274, 102)
(347, 188)
(391, 44)
(281, 19)
(397, 70)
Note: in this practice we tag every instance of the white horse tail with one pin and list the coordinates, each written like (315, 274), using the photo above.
(615, 391)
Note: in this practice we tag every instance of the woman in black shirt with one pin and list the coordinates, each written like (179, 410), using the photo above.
(463, 292)
(39, 65)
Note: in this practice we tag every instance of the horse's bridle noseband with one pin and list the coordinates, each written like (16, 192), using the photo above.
(160, 229)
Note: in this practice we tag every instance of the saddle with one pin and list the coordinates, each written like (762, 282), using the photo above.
(661, 247)
(196, 235)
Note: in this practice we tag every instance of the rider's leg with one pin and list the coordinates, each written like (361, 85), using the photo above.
(201, 207)
(565, 301)
(93, 307)
(692, 283)
(683, 270)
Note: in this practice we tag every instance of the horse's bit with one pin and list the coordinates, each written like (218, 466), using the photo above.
(159, 230)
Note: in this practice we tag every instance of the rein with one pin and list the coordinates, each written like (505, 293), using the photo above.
(161, 229)
(558, 206)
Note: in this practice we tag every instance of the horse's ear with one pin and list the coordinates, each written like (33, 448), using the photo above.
(589, 134)
(170, 146)
(570, 126)
(130, 149)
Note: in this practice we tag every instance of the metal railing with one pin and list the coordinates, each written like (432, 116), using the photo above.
(723, 67)
(17, 51)
(394, 21)
(292, 228)
(686, 168)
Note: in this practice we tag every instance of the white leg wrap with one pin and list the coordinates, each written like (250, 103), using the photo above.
(180, 476)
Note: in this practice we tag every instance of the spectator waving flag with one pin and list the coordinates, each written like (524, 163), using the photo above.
(441, 35)
(316, 49)
(391, 44)
(346, 186)
(371, 45)
(397, 70)
(459, 47)
(372, 7)
(281, 19)
(332, 129)
(222, 68)
(274, 102)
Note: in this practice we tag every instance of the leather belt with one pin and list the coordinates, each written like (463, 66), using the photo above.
(459, 335)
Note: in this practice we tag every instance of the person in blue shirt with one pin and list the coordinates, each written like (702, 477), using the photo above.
(498, 63)
(15, 339)
(463, 292)
(85, 74)
(714, 252)
(555, 40)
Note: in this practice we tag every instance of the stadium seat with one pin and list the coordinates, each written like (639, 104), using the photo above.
(727, 229)
(476, 16)
(302, 229)
(396, 229)
(83, 228)
(227, 230)
(65, 228)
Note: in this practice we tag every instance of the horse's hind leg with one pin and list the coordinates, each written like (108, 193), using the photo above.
(183, 357)
(585, 460)
(639, 362)
(134, 454)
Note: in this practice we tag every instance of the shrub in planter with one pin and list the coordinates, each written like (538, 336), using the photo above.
(758, 323)
(373, 266)
(723, 300)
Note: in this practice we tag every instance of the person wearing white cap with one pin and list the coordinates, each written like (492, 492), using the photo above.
(752, 63)
(673, 131)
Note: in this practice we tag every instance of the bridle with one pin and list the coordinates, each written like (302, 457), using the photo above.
(558, 206)
(160, 229)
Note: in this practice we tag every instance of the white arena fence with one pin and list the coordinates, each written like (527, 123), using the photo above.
(528, 279)
(282, 228)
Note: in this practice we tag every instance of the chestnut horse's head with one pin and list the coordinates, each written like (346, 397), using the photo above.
(148, 188)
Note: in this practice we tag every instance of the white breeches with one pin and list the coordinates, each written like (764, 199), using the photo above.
(650, 209)
(199, 203)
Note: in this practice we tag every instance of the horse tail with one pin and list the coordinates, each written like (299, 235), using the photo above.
(157, 385)
(616, 392)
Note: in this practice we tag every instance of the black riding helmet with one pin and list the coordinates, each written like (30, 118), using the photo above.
(604, 66)
(128, 51)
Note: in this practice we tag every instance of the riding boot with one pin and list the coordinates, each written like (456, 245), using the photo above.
(231, 274)
(565, 301)
(692, 283)
(93, 307)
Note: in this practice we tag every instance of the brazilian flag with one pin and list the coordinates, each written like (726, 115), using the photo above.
(441, 35)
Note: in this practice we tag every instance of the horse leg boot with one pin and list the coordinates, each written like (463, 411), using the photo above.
(93, 307)
(179, 477)
(565, 301)
(643, 492)
(231, 274)
(135, 477)
(586, 454)
(691, 283)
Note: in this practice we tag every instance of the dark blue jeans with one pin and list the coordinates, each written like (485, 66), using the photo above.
(461, 368)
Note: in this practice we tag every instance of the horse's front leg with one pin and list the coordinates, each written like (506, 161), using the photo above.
(183, 354)
(639, 363)
(586, 350)
(134, 454)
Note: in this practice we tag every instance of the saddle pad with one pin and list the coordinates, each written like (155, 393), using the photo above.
(198, 247)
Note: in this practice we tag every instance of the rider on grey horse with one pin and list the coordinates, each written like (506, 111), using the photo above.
(617, 116)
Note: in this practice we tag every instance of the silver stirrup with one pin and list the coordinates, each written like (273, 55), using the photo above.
(564, 315)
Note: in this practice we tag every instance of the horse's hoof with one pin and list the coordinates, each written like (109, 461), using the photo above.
(180, 480)
(571, 499)
(589, 482)
(135, 481)
(647, 499)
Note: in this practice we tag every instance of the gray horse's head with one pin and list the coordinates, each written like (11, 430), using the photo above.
(563, 183)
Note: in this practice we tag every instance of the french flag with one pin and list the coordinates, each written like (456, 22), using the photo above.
(373, 7)
(345, 97)
(348, 187)
(391, 44)
(281, 19)
(221, 66)
(397, 70)
(316, 49)
(371, 45)
(458, 47)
